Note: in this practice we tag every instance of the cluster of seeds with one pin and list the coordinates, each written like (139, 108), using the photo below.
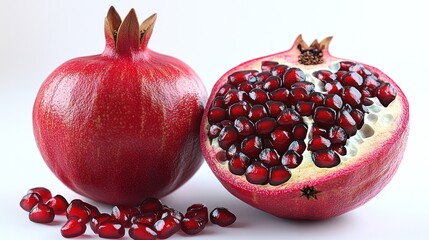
(261, 120)
(149, 221)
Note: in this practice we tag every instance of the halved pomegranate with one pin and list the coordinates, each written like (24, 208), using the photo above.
(305, 135)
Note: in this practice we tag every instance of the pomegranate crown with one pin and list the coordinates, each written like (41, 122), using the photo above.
(312, 54)
(127, 36)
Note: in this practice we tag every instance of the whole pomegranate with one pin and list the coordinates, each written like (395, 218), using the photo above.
(122, 125)
(302, 134)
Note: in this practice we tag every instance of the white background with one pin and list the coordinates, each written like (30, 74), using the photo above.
(212, 37)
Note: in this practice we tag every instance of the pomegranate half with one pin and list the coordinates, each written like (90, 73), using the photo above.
(122, 125)
(302, 134)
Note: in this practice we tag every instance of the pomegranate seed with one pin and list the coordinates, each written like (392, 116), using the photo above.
(386, 93)
(289, 118)
(223, 90)
(317, 98)
(246, 87)
(198, 210)
(275, 108)
(251, 146)
(148, 218)
(150, 204)
(352, 79)
(345, 65)
(257, 173)
(44, 193)
(334, 87)
(371, 82)
(238, 109)
(222, 217)
(260, 78)
(340, 149)
(257, 112)
(358, 116)
(324, 75)
(41, 213)
(278, 175)
(217, 102)
(74, 227)
(244, 126)
(280, 95)
(76, 208)
(124, 214)
(281, 139)
(172, 212)
(258, 96)
(333, 101)
(337, 135)
(279, 70)
(97, 220)
(346, 121)
(325, 158)
(268, 65)
(233, 96)
(305, 108)
(241, 76)
(214, 131)
(238, 164)
(29, 201)
(216, 114)
(167, 227)
(360, 69)
(232, 150)
(139, 231)
(300, 131)
(291, 159)
(318, 143)
(293, 75)
(352, 96)
(272, 83)
(298, 94)
(227, 136)
(308, 86)
(265, 125)
(269, 157)
(317, 130)
(324, 116)
(58, 203)
(339, 74)
(111, 229)
(297, 146)
(193, 225)
(93, 211)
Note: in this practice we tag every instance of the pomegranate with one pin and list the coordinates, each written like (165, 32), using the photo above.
(302, 134)
(122, 125)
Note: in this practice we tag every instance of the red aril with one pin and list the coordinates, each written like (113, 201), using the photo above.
(41, 213)
(139, 231)
(111, 229)
(43, 192)
(78, 209)
(333, 139)
(122, 125)
(222, 217)
(192, 226)
(73, 227)
(99, 219)
(29, 201)
(58, 203)
(167, 227)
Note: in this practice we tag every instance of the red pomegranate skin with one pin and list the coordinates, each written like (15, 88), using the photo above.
(340, 190)
(122, 125)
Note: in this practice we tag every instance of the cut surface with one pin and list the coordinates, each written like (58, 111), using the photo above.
(275, 112)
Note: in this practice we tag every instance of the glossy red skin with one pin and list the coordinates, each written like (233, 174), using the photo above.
(121, 126)
(340, 192)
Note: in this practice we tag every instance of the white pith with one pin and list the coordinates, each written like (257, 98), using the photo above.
(379, 125)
